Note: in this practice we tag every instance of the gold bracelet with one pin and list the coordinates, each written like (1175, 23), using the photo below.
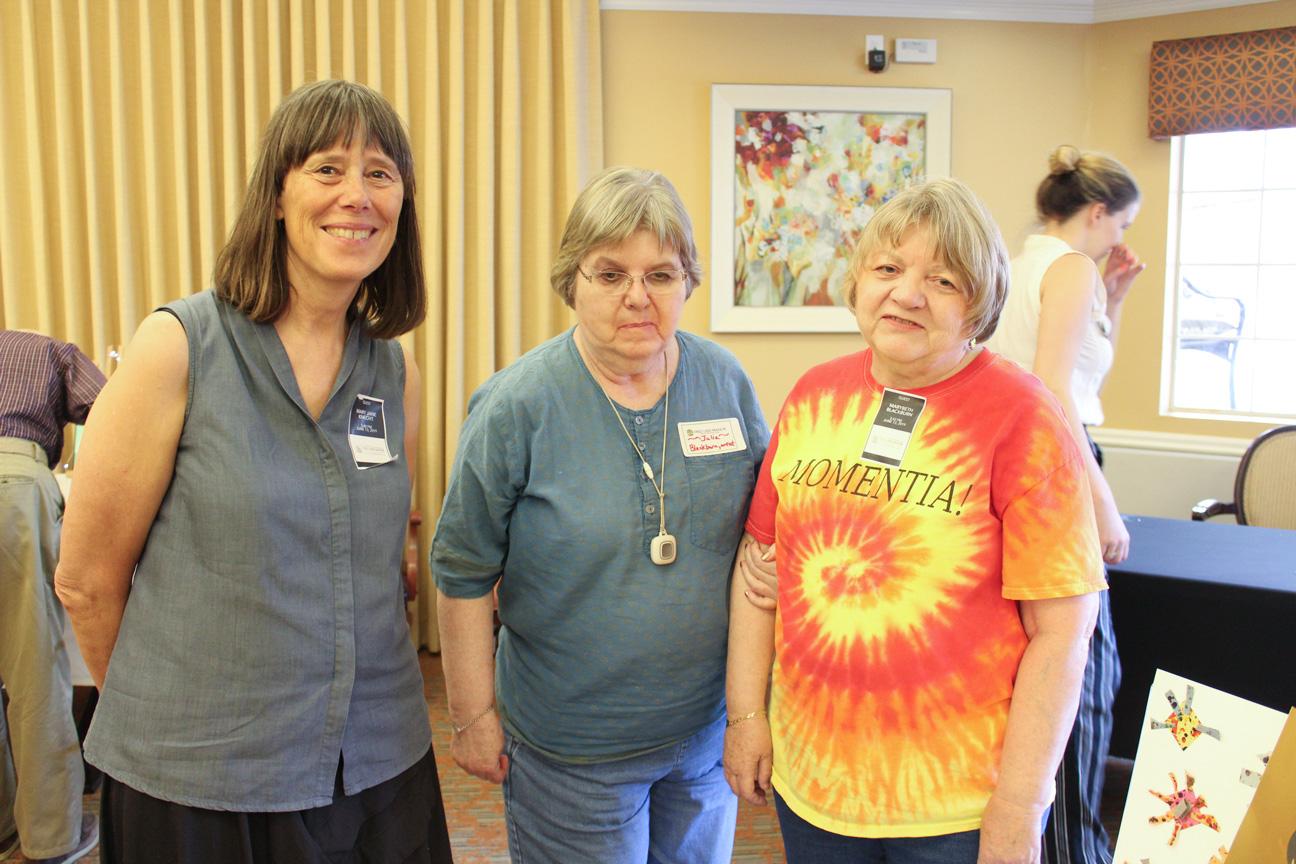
(734, 721)
(458, 729)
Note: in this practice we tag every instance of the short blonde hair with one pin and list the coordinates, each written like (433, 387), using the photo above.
(963, 234)
(612, 207)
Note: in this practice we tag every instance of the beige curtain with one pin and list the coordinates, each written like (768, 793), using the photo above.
(128, 128)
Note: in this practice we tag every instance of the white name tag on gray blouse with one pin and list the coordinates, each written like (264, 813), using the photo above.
(367, 432)
(708, 437)
(893, 427)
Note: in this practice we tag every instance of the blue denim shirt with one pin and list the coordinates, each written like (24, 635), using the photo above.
(602, 653)
(264, 637)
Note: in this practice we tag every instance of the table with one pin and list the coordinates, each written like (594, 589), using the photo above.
(1213, 602)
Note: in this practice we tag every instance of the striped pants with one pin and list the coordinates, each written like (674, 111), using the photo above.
(1074, 834)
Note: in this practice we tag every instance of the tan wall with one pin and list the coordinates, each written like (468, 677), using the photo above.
(1118, 124)
(1018, 90)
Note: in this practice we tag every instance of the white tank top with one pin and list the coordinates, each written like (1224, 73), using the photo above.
(1018, 330)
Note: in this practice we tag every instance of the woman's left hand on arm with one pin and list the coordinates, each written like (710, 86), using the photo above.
(760, 574)
(1043, 708)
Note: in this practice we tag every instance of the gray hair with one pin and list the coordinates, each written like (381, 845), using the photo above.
(963, 234)
(612, 207)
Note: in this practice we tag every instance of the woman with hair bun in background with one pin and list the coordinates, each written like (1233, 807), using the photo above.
(1060, 321)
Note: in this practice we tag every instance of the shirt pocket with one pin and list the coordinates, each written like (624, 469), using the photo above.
(720, 489)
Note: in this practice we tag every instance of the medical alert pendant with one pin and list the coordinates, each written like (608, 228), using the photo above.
(662, 548)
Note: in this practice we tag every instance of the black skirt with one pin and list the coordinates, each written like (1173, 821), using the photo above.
(399, 821)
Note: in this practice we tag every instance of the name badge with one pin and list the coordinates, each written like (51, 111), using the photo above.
(367, 433)
(893, 426)
(708, 437)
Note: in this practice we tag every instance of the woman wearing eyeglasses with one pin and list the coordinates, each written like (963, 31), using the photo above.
(600, 484)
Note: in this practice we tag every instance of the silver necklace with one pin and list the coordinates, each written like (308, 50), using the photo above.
(662, 547)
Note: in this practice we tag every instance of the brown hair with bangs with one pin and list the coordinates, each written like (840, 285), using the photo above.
(251, 271)
(612, 207)
(963, 234)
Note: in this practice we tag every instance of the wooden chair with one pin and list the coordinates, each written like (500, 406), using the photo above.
(1264, 492)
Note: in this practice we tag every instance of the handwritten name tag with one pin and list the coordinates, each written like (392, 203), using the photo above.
(708, 437)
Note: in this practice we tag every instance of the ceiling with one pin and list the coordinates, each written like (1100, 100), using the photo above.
(1056, 11)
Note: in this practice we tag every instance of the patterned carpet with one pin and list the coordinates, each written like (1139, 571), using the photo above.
(475, 809)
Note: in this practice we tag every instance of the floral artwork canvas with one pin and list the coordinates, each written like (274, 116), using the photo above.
(806, 182)
(796, 174)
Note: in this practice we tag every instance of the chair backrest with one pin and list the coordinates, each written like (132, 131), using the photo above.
(1203, 315)
(1265, 491)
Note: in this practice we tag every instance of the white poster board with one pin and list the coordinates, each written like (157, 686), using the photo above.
(1219, 741)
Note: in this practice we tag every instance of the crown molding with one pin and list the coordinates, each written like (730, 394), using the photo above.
(1123, 10)
(1049, 11)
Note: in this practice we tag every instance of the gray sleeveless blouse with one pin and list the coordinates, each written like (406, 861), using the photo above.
(264, 638)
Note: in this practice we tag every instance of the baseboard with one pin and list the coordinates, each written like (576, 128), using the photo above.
(1169, 442)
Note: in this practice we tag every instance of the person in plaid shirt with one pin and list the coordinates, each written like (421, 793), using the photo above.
(44, 385)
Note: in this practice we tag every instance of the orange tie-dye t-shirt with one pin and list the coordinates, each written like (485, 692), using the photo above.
(898, 636)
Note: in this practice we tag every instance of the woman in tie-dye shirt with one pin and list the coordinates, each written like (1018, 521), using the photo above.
(937, 563)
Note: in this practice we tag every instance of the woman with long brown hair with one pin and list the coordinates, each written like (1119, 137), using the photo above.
(231, 556)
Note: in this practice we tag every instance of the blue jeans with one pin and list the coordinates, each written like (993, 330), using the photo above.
(810, 844)
(670, 806)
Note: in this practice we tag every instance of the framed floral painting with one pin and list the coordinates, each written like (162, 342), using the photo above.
(796, 172)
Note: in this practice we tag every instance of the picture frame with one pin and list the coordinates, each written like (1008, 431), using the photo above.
(795, 173)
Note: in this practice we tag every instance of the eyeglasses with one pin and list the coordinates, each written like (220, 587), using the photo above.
(618, 282)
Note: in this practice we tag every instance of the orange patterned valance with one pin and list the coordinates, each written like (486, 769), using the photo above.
(1222, 83)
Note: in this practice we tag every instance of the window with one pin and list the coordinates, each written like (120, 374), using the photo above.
(1230, 351)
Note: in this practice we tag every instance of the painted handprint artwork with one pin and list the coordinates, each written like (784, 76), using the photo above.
(1199, 761)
